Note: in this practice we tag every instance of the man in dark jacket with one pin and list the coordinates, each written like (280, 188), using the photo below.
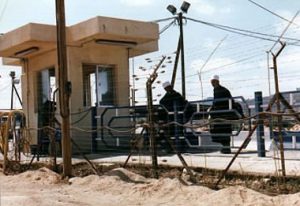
(173, 101)
(221, 131)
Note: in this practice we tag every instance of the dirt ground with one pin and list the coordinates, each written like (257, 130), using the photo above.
(134, 185)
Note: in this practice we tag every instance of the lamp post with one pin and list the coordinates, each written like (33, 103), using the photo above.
(13, 76)
(14, 81)
(184, 8)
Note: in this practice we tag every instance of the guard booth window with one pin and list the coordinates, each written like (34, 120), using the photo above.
(98, 85)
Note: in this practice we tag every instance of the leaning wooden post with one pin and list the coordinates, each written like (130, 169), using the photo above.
(277, 94)
(152, 132)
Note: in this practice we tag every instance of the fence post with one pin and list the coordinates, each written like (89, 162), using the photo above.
(260, 128)
(176, 129)
(94, 128)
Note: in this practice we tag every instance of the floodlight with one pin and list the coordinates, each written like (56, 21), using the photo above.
(12, 74)
(116, 42)
(26, 52)
(16, 81)
(172, 9)
(185, 6)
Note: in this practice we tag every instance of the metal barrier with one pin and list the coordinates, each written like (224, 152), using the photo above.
(202, 117)
(131, 116)
(134, 117)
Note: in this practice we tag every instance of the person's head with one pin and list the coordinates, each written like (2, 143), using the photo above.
(215, 81)
(167, 86)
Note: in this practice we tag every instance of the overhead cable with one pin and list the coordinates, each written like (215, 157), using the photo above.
(283, 32)
(3, 10)
(207, 60)
(166, 27)
(229, 64)
(264, 8)
(161, 20)
(243, 32)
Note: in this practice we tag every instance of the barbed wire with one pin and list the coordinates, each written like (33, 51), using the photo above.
(184, 125)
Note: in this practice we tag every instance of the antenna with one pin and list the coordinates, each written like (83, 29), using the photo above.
(205, 63)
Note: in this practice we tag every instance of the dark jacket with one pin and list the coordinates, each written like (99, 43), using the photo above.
(221, 132)
(221, 92)
(171, 99)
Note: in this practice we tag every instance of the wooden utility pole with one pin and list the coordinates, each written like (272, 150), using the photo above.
(182, 54)
(64, 87)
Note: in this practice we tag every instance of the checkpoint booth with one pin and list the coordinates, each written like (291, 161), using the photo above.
(98, 52)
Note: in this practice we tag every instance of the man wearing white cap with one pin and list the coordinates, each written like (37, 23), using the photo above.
(173, 101)
(221, 133)
(172, 97)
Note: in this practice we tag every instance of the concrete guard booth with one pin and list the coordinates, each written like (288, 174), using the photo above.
(98, 52)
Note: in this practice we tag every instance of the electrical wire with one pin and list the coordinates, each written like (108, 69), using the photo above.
(264, 8)
(283, 32)
(229, 64)
(207, 60)
(162, 20)
(3, 10)
(167, 27)
(243, 32)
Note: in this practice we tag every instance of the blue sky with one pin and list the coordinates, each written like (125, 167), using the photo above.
(240, 61)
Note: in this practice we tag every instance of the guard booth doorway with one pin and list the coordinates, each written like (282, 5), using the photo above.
(46, 89)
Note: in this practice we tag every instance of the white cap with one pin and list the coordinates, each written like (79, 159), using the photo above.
(166, 84)
(215, 77)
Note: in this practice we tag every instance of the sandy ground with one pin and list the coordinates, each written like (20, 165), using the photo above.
(122, 187)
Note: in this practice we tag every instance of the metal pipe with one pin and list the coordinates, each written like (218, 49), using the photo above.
(260, 128)
(12, 91)
(176, 62)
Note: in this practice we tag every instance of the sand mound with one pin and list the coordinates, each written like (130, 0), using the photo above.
(122, 187)
(238, 195)
(41, 176)
(127, 176)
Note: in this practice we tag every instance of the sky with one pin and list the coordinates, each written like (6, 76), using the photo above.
(241, 61)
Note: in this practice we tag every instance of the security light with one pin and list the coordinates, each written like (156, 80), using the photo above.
(172, 9)
(116, 42)
(26, 52)
(185, 6)
(16, 81)
(12, 74)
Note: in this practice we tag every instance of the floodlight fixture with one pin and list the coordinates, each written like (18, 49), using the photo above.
(128, 44)
(185, 6)
(16, 81)
(12, 74)
(172, 9)
(26, 52)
